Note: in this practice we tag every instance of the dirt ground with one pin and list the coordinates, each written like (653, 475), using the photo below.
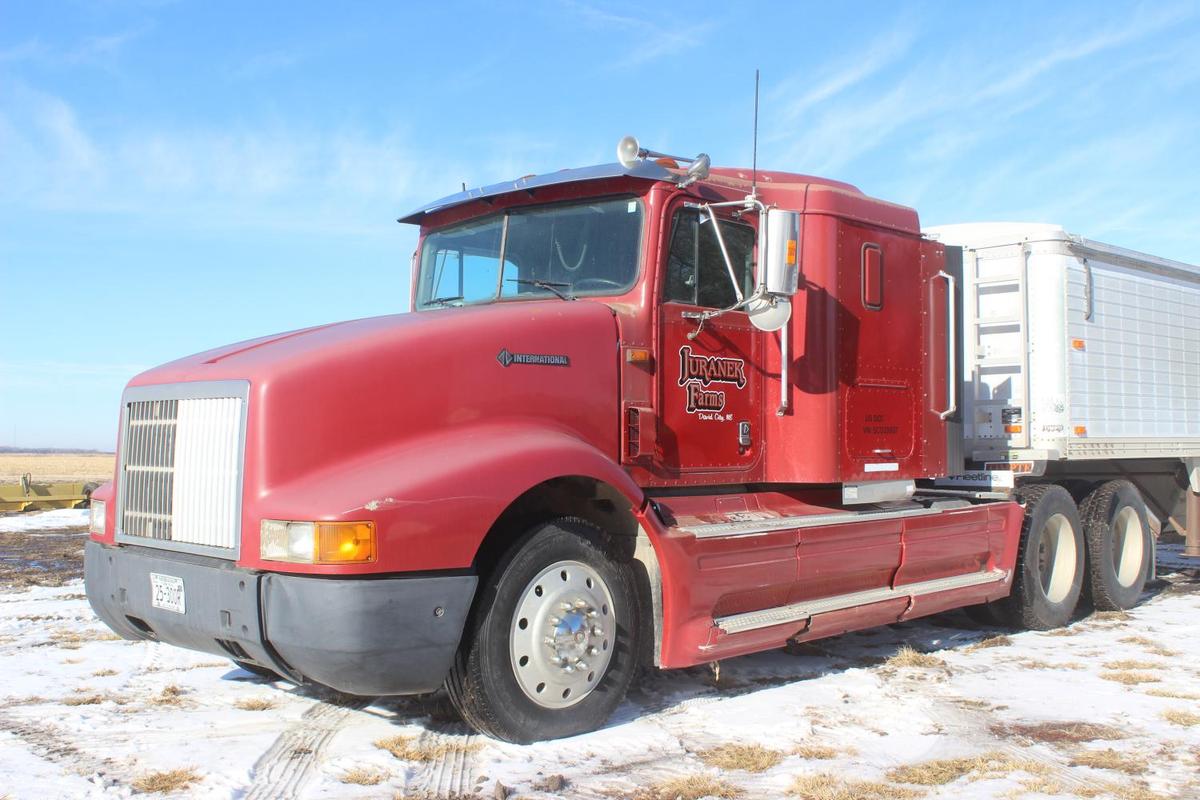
(56, 467)
(41, 558)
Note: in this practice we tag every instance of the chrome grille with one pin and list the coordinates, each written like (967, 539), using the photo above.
(150, 468)
(181, 469)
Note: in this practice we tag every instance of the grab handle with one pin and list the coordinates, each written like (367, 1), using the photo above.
(951, 347)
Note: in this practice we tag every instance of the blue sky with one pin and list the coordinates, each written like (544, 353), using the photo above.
(174, 176)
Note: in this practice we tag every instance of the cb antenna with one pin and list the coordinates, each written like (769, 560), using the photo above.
(754, 156)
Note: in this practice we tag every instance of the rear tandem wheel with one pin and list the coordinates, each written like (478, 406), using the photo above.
(1048, 578)
(1119, 545)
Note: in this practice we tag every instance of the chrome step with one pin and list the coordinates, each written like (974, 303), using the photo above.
(755, 526)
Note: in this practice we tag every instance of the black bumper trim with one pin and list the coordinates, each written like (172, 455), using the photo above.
(364, 635)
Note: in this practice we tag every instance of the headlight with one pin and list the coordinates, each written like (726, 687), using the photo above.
(317, 542)
(96, 517)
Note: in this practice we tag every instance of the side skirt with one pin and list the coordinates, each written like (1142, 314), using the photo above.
(800, 612)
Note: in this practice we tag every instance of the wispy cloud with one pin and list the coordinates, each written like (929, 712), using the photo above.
(96, 49)
(858, 107)
(274, 176)
(797, 93)
(267, 63)
(649, 40)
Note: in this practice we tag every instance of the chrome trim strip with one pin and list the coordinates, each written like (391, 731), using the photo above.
(751, 527)
(799, 612)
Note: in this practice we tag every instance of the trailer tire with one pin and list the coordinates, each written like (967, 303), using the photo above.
(557, 600)
(1048, 578)
(1118, 545)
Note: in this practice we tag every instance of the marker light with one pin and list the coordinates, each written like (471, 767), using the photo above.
(317, 542)
(96, 518)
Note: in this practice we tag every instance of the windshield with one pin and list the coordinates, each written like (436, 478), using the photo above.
(568, 250)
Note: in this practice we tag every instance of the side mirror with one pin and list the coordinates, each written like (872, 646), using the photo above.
(782, 275)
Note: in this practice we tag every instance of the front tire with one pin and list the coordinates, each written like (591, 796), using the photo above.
(1118, 544)
(1049, 572)
(552, 646)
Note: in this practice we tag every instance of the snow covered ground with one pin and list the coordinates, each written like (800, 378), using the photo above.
(1109, 707)
(44, 520)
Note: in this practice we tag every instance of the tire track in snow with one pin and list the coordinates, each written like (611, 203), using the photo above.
(282, 772)
(50, 742)
(452, 772)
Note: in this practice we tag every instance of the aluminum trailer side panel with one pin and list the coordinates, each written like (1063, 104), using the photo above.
(1075, 349)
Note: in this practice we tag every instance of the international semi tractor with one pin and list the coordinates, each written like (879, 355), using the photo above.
(656, 414)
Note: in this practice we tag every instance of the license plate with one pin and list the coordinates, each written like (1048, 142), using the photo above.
(166, 592)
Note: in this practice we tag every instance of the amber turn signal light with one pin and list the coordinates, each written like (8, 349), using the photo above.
(345, 542)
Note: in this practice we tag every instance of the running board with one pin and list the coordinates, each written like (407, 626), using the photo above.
(752, 526)
(800, 612)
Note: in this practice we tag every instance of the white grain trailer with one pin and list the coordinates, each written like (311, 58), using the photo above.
(1079, 365)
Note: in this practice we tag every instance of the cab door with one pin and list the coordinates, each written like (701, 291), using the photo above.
(709, 385)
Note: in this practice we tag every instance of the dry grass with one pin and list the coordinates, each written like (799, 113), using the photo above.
(171, 695)
(1131, 663)
(688, 787)
(909, 657)
(833, 787)
(83, 700)
(1110, 759)
(171, 780)
(1110, 616)
(1150, 645)
(993, 641)
(103, 673)
(746, 757)
(68, 639)
(1060, 732)
(56, 467)
(363, 776)
(255, 703)
(1177, 716)
(551, 783)
(1121, 791)
(1171, 693)
(1062, 632)
(1037, 663)
(815, 751)
(1129, 677)
(947, 770)
(1037, 784)
(408, 748)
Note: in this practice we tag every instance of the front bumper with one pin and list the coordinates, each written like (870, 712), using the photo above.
(360, 635)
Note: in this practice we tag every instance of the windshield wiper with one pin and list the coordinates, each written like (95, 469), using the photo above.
(443, 301)
(551, 286)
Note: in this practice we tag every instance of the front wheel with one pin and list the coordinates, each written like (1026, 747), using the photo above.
(552, 646)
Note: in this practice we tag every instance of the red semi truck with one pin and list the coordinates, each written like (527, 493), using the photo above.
(640, 414)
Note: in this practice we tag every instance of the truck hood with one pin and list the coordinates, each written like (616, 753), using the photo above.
(340, 391)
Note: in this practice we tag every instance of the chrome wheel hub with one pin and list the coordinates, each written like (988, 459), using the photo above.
(562, 634)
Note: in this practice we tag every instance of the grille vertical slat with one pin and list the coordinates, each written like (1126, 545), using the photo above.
(181, 466)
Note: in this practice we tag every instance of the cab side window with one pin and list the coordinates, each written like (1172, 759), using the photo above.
(696, 272)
